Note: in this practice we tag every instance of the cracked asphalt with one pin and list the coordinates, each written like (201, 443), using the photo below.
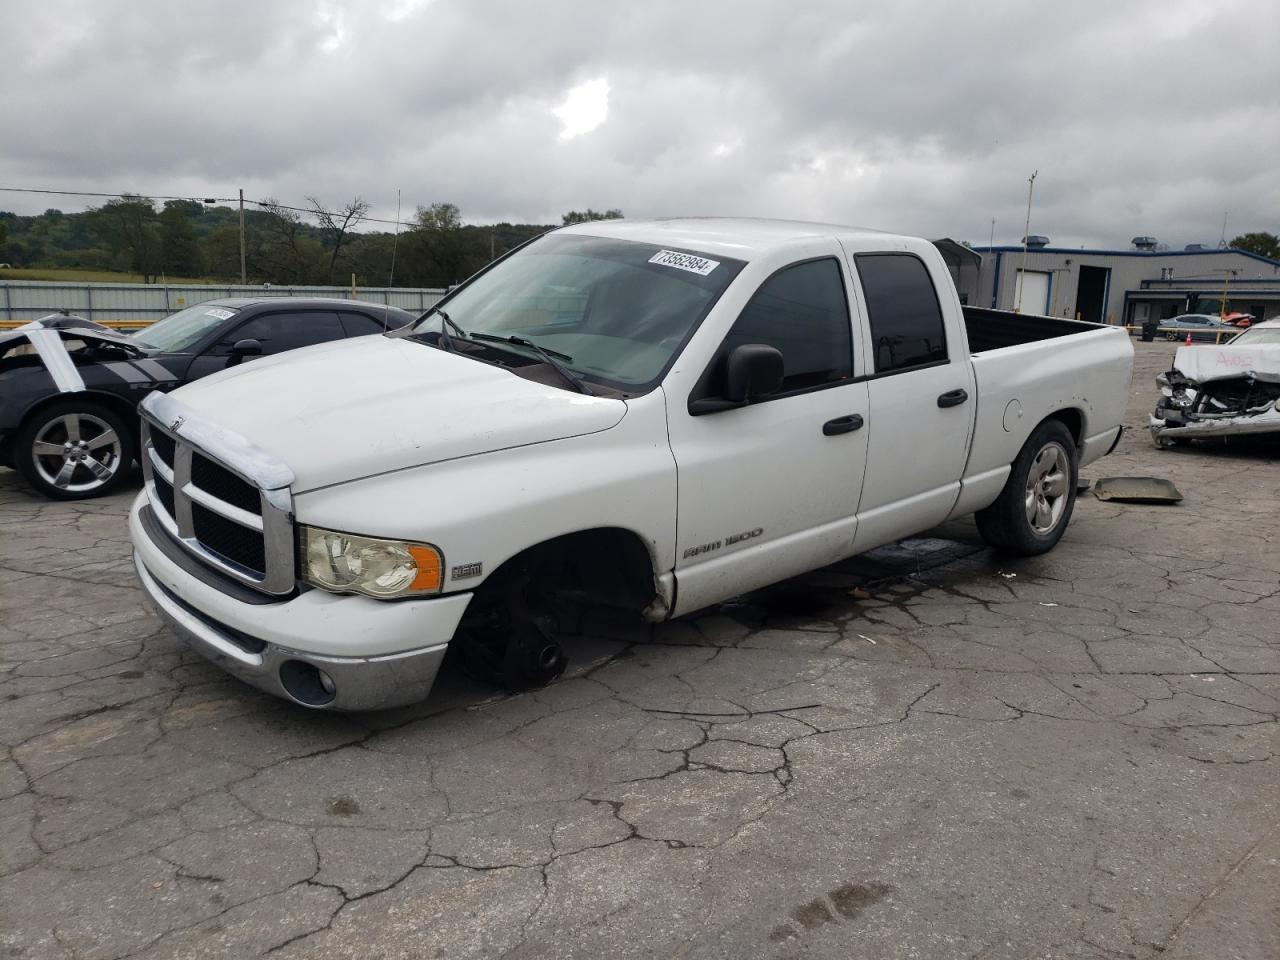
(930, 751)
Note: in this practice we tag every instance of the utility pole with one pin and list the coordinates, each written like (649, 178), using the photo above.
(1226, 283)
(992, 241)
(243, 279)
(1026, 231)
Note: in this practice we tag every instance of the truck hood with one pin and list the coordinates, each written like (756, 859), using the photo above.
(351, 409)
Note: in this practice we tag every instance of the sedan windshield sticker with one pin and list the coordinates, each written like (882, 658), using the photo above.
(684, 261)
(219, 313)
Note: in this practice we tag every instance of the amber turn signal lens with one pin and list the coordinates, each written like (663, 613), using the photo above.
(429, 569)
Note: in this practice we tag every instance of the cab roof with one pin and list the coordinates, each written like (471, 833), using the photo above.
(742, 238)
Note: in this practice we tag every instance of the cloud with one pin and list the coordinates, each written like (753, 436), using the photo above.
(585, 107)
(924, 117)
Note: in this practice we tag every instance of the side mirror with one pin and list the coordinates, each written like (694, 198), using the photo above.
(753, 371)
(245, 348)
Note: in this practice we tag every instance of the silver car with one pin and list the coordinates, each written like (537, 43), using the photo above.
(1201, 326)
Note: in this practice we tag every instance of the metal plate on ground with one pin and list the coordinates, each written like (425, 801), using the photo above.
(1137, 490)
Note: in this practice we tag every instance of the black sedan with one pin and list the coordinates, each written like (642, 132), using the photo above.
(69, 387)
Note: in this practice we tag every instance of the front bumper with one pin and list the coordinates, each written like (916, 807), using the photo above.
(1244, 425)
(375, 654)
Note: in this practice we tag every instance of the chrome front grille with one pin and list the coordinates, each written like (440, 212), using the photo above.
(217, 495)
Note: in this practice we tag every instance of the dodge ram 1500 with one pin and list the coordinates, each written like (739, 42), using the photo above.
(655, 415)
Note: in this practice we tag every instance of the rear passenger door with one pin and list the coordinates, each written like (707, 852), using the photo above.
(921, 400)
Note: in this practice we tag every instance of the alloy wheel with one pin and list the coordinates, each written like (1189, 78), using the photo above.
(77, 452)
(1048, 481)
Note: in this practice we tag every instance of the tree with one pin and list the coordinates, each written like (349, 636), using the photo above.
(437, 231)
(584, 216)
(337, 224)
(1259, 242)
(286, 252)
(221, 250)
(179, 254)
(128, 226)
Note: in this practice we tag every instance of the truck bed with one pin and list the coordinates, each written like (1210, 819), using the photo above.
(992, 329)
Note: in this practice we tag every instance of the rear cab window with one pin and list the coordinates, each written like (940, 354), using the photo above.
(903, 311)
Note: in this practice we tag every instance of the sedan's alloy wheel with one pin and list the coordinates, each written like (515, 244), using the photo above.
(77, 452)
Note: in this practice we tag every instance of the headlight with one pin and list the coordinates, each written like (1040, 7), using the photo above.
(382, 569)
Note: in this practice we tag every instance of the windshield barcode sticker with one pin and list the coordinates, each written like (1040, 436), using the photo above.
(684, 261)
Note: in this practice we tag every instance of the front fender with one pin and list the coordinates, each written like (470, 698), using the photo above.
(487, 508)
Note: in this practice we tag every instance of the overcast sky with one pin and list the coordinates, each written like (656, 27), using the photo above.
(925, 118)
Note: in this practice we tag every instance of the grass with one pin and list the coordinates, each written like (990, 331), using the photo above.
(76, 275)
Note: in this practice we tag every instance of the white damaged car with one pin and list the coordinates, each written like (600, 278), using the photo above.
(1226, 390)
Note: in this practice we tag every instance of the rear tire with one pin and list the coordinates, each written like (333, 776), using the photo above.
(74, 450)
(1035, 506)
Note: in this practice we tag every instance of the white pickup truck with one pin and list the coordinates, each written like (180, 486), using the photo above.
(655, 415)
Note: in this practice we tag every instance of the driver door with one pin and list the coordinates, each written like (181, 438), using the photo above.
(770, 490)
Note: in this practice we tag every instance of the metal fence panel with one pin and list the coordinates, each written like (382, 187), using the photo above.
(24, 300)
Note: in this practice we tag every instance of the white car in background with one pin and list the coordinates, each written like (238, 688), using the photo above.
(1221, 390)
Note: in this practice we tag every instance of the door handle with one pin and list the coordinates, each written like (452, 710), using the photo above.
(953, 398)
(842, 425)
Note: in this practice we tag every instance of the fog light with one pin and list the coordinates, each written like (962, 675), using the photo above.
(307, 684)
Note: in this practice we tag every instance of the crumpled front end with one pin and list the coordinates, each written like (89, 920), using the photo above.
(1226, 406)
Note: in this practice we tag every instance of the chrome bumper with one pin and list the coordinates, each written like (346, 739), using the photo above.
(358, 683)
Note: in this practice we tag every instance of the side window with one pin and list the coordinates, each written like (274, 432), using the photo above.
(278, 332)
(802, 311)
(903, 309)
(361, 324)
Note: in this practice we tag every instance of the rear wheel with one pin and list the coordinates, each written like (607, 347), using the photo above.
(74, 450)
(1034, 508)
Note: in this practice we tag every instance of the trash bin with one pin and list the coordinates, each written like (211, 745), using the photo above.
(1149, 328)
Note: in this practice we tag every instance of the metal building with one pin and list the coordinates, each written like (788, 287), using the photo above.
(1124, 286)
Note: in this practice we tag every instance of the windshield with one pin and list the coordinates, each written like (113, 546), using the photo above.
(1257, 336)
(615, 311)
(184, 329)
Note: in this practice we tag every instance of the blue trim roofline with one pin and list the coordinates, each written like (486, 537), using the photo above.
(1217, 280)
(1186, 291)
(1133, 253)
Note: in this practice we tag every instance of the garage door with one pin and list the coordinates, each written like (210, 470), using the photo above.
(1031, 292)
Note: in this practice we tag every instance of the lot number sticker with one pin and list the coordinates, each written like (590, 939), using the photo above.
(219, 313)
(684, 261)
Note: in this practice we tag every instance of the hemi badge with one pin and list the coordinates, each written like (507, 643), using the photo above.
(466, 570)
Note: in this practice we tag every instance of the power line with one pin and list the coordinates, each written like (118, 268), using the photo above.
(267, 204)
(90, 193)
